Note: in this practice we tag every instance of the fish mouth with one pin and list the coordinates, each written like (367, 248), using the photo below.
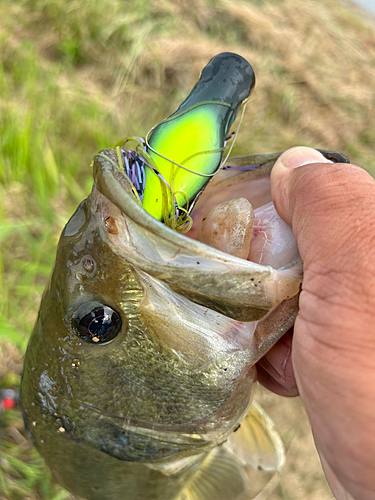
(244, 289)
(238, 288)
(135, 441)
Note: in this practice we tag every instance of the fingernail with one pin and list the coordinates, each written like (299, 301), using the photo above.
(299, 156)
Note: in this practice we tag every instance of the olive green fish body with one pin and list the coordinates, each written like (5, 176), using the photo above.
(99, 412)
(134, 375)
(141, 362)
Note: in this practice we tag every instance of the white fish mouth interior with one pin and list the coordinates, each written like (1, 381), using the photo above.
(222, 220)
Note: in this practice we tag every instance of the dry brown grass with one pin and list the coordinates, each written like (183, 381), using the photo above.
(315, 67)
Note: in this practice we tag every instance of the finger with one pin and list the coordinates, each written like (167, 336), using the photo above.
(337, 488)
(331, 208)
(282, 177)
(275, 369)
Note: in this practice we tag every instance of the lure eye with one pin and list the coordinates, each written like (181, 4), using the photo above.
(96, 323)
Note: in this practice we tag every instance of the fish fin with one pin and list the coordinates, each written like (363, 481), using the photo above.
(256, 442)
(175, 466)
(219, 477)
(293, 271)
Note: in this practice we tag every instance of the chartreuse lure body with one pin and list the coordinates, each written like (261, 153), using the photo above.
(186, 149)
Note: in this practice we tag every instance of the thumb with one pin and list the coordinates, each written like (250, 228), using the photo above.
(331, 208)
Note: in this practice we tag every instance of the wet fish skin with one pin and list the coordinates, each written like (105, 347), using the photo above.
(80, 396)
(110, 419)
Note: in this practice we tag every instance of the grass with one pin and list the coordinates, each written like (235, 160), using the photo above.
(75, 77)
(22, 469)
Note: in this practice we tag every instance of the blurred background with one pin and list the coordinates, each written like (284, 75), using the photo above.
(78, 76)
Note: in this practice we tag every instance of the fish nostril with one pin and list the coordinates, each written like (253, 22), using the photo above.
(110, 225)
(88, 264)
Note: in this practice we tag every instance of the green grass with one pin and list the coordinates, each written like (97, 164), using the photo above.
(77, 76)
(23, 472)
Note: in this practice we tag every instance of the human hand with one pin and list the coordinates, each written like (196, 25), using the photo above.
(330, 358)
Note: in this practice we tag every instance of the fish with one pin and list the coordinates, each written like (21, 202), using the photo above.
(138, 376)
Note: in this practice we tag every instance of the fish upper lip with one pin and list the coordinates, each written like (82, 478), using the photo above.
(117, 188)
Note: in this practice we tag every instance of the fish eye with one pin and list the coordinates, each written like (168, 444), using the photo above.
(96, 323)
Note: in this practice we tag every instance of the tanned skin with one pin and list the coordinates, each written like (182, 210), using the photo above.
(329, 358)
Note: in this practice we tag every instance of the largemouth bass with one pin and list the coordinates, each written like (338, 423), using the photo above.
(140, 368)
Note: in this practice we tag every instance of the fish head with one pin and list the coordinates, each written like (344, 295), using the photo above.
(146, 340)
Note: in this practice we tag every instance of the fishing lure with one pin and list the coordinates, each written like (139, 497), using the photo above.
(171, 167)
